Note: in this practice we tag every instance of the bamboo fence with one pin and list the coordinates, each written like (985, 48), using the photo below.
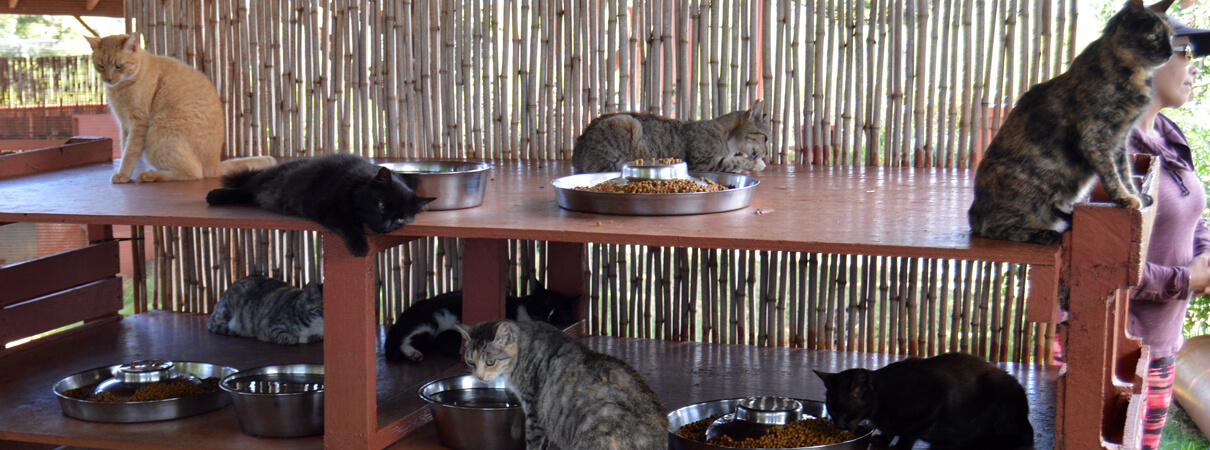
(39, 95)
(874, 82)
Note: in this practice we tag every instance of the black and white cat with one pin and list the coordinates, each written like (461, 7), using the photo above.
(270, 310)
(429, 324)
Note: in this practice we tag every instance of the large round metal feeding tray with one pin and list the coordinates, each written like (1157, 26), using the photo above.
(141, 411)
(454, 184)
(761, 415)
(672, 204)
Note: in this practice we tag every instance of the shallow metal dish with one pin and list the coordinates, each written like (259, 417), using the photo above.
(455, 184)
(279, 401)
(654, 204)
(465, 425)
(698, 411)
(131, 412)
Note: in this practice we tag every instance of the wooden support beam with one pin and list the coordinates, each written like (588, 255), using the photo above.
(106, 8)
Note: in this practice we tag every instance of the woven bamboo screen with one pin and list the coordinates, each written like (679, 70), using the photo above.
(876, 82)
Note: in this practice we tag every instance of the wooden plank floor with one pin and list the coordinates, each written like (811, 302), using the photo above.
(681, 373)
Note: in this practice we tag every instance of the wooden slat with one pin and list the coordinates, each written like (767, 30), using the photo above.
(65, 270)
(47, 313)
(75, 152)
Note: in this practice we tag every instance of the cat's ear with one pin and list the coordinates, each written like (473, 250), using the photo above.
(94, 42)
(1161, 6)
(464, 330)
(826, 377)
(383, 177)
(506, 332)
(132, 43)
(757, 112)
(862, 383)
(424, 201)
(314, 289)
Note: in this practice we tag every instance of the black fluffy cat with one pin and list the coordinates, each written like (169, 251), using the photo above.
(428, 325)
(951, 401)
(343, 192)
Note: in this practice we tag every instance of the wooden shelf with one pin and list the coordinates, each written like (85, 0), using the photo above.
(681, 373)
(28, 376)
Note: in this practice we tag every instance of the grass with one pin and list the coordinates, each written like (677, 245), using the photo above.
(1181, 433)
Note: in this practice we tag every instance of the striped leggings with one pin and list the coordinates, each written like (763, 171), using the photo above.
(1161, 373)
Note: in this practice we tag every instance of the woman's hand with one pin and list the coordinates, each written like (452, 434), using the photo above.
(1199, 275)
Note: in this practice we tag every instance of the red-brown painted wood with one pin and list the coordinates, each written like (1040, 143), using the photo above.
(350, 409)
(484, 275)
(90, 301)
(64, 270)
(859, 210)
(570, 276)
(74, 152)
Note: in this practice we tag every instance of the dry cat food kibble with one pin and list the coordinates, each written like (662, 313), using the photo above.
(656, 162)
(803, 433)
(151, 392)
(677, 186)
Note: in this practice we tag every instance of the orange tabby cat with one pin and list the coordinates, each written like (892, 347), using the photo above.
(169, 114)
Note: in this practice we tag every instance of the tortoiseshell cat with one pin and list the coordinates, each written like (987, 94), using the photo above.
(952, 401)
(573, 397)
(736, 142)
(343, 192)
(1067, 131)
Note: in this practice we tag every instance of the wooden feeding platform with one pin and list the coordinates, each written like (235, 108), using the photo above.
(907, 212)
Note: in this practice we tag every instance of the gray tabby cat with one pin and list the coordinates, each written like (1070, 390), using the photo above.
(573, 397)
(270, 310)
(736, 142)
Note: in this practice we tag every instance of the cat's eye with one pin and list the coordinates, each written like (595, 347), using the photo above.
(100, 67)
(399, 220)
(381, 206)
(491, 362)
(119, 66)
(1153, 37)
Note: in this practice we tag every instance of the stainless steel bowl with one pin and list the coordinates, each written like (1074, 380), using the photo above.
(698, 411)
(455, 184)
(279, 401)
(654, 204)
(474, 414)
(131, 412)
(654, 171)
(753, 417)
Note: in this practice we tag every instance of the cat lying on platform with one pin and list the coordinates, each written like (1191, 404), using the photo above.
(270, 310)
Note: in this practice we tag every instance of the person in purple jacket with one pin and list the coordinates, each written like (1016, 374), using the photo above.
(1178, 264)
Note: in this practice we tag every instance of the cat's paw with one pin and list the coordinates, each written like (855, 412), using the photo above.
(119, 177)
(759, 165)
(414, 355)
(151, 176)
(1134, 201)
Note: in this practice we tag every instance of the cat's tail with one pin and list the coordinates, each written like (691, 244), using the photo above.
(250, 163)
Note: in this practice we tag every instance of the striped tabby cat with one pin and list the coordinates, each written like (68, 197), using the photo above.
(736, 142)
(573, 397)
(270, 310)
(1066, 132)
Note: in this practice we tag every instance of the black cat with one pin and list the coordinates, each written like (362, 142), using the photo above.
(343, 192)
(951, 401)
(429, 324)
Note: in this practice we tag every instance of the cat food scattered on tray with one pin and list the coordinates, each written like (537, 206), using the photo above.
(656, 162)
(149, 393)
(677, 186)
(803, 433)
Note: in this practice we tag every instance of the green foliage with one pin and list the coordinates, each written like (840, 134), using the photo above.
(22, 35)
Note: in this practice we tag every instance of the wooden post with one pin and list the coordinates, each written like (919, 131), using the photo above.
(483, 290)
(351, 408)
(567, 272)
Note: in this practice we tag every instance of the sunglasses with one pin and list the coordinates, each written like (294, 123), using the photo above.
(1185, 51)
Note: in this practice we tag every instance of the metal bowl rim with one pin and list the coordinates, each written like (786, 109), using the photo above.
(222, 384)
(479, 167)
(55, 388)
(431, 400)
(695, 175)
(673, 434)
